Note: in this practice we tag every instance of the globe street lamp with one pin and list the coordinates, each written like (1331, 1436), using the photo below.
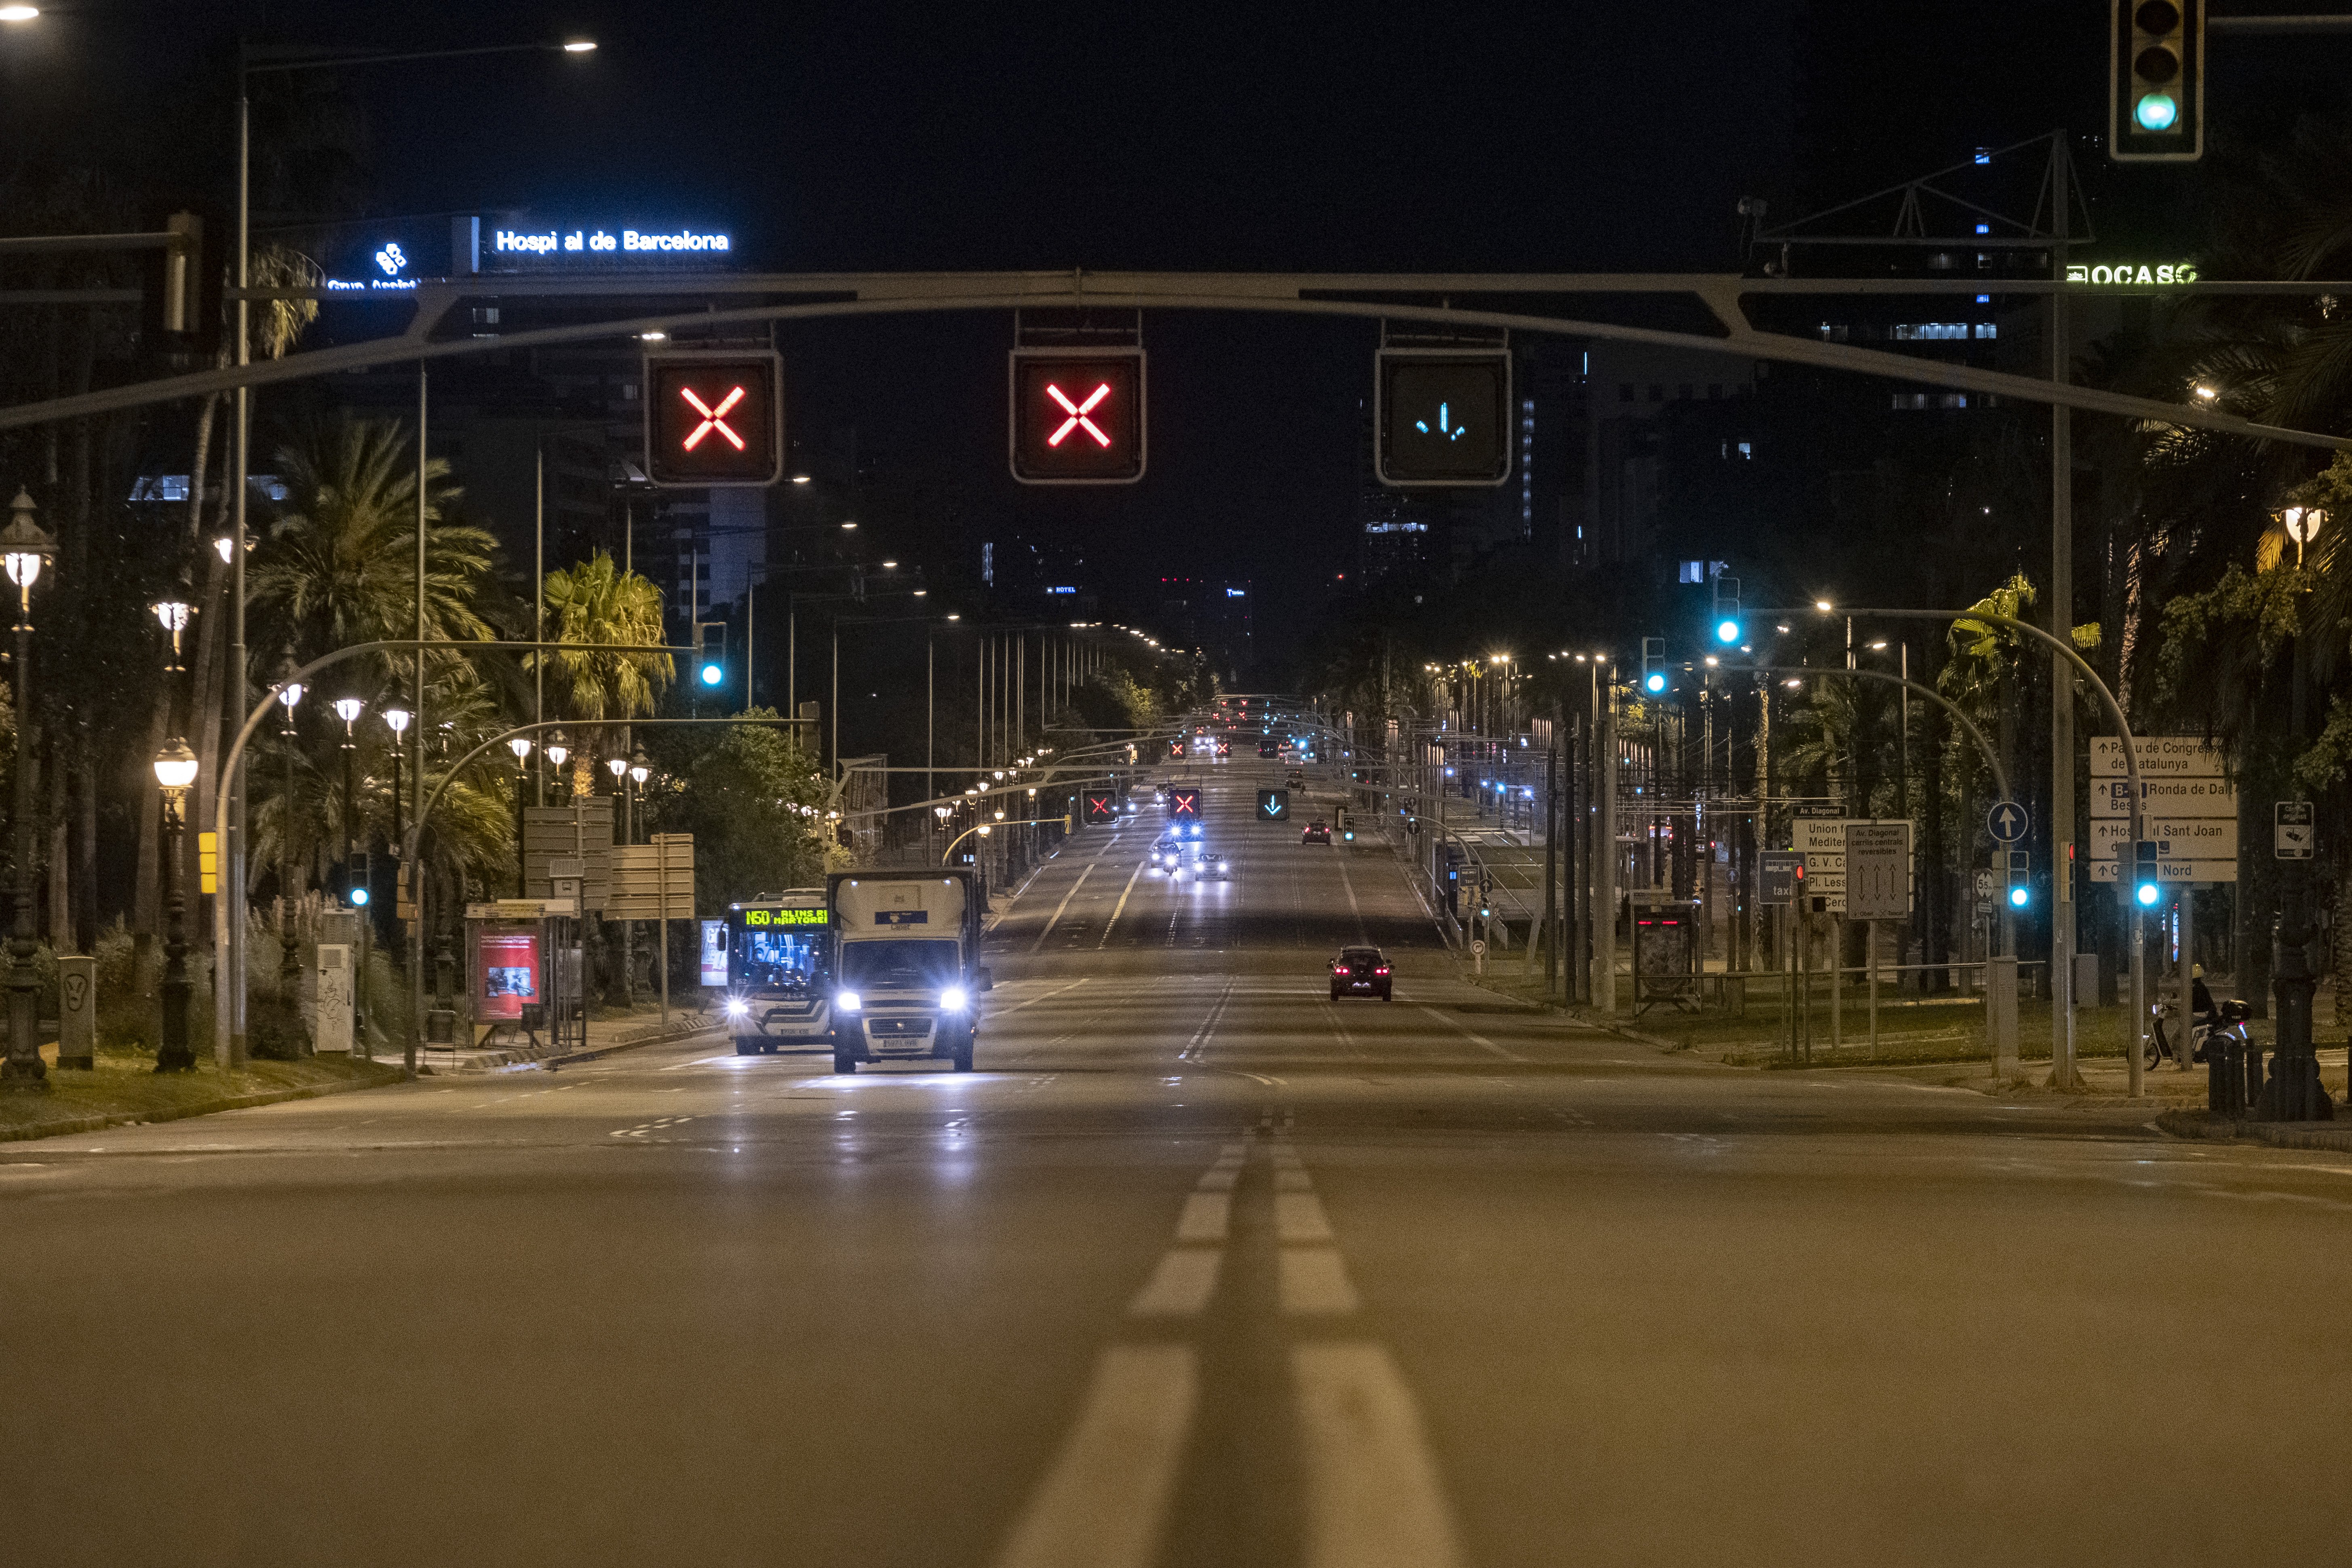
(398, 719)
(23, 548)
(176, 770)
(559, 752)
(290, 971)
(349, 709)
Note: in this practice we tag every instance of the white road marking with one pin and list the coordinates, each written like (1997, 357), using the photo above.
(1102, 1503)
(1000, 1012)
(1180, 1287)
(1084, 871)
(1220, 1180)
(1373, 1496)
(1358, 910)
(1474, 1038)
(1118, 907)
(1207, 1217)
(1312, 1281)
(1298, 1216)
(1293, 1180)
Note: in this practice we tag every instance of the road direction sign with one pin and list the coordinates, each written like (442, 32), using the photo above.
(1274, 806)
(1779, 873)
(1878, 870)
(2295, 829)
(1822, 841)
(2198, 796)
(2195, 838)
(2007, 822)
(2159, 756)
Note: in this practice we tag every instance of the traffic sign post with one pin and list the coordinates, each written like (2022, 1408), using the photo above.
(2294, 830)
(1077, 416)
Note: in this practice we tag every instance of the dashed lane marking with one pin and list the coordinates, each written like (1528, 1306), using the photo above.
(1298, 1216)
(1207, 1217)
(1181, 1286)
(1475, 1038)
(1312, 1281)
(1084, 872)
(1104, 1500)
(1373, 1496)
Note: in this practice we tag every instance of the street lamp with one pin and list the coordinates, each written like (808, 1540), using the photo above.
(558, 751)
(2302, 526)
(398, 719)
(521, 747)
(176, 770)
(349, 709)
(25, 549)
(289, 971)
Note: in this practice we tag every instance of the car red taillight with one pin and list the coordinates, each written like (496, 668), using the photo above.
(1384, 969)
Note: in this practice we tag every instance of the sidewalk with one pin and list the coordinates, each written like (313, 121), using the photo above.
(605, 1035)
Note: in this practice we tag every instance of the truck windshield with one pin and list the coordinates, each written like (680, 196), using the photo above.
(778, 961)
(894, 965)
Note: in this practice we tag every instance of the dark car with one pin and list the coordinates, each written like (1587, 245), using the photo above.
(1360, 972)
(1316, 833)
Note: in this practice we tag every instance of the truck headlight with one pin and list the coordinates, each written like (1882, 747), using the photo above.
(955, 999)
(848, 1001)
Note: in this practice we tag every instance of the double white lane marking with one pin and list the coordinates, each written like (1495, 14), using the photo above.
(1374, 1498)
(1084, 872)
(1121, 907)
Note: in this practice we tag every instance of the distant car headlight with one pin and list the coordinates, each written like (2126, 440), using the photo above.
(848, 1001)
(955, 999)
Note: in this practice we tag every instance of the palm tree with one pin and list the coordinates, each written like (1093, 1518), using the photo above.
(340, 565)
(596, 605)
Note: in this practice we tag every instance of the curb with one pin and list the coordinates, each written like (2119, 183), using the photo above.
(595, 1052)
(182, 1112)
(2335, 1137)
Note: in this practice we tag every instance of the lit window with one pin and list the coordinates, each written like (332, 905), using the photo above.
(1924, 332)
(1694, 572)
(1746, 450)
(1987, 330)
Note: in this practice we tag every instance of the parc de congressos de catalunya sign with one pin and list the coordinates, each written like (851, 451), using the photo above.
(2128, 272)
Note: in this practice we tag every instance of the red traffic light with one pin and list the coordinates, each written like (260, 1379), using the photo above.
(714, 419)
(1078, 417)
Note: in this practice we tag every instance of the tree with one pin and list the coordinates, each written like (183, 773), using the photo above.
(595, 604)
(754, 800)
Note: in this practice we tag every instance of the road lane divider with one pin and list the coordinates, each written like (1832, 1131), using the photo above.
(1474, 1037)
(1120, 908)
(1207, 1216)
(1102, 1502)
(1373, 1496)
(1312, 1282)
(1181, 1284)
(1084, 872)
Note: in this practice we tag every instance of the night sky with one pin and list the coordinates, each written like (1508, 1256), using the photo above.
(1602, 136)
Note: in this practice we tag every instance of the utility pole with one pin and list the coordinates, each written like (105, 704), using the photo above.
(2061, 675)
(1604, 856)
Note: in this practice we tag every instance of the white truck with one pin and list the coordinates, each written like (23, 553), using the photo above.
(906, 975)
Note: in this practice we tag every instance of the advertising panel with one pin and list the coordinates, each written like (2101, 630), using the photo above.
(507, 971)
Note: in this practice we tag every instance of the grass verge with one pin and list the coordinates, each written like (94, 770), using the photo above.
(126, 1087)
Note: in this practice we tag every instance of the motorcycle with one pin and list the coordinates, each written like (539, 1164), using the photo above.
(2228, 1023)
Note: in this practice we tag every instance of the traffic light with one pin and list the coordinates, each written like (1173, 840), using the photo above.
(1728, 629)
(2146, 888)
(709, 654)
(2015, 867)
(1077, 416)
(1443, 416)
(1653, 665)
(714, 419)
(2156, 80)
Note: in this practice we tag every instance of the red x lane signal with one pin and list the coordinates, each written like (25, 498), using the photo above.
(1100, 807)
(1184, 803)
(714, 418)
(1078, 417)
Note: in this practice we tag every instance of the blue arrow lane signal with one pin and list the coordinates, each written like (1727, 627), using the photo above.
(2006, 821)
(1451, 432)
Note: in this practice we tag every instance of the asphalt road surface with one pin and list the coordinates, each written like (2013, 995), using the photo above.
(1198, 1268)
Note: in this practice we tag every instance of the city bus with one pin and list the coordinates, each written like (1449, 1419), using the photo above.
(780, 974)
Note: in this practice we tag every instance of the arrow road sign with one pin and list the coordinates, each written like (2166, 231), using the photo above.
(1274, 806)
(2006, 821)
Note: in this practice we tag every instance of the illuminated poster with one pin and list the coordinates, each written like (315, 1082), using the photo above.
(508, 965)
(714, 953)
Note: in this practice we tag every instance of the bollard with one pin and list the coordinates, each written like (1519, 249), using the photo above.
(2252, 1087)
(2225, 1077)
(2000, 1016)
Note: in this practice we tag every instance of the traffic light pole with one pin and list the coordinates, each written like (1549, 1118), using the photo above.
(2062, 1068)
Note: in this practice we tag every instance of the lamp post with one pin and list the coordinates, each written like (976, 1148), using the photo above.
(398, 720)
(521, 747)
(27, 549)
(349, 709)
(620, 767)
(290, 971)
(2294, 1092)
(176, 769)
(557, 751)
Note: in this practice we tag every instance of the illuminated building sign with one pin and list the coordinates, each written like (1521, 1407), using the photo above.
(2140, 275)
(513, 242)
(388, 262)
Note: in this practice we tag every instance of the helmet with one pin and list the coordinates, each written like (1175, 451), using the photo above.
(2197, 972)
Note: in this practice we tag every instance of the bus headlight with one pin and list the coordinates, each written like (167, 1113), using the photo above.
(737, 1007)
(848, 1001)
(955, 999)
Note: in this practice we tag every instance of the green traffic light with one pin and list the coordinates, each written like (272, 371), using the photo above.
(2156, 111)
